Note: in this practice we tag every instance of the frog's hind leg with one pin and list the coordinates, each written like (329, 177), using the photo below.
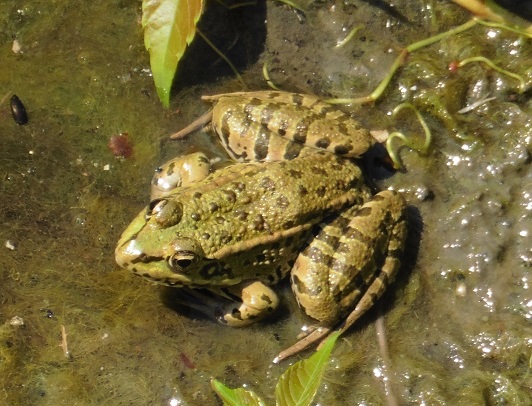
(351, 260)
(246, 140)
(272, 126)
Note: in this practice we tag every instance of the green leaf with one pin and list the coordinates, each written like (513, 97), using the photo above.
(299, 383)
(169, 26)
(236, 397)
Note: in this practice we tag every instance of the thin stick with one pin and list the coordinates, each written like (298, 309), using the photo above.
(225, 58)
(64, 344)
(200, 122)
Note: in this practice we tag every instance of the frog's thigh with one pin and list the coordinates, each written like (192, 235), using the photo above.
(352, 259)
(258, 301)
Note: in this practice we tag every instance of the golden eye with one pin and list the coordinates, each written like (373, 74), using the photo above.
(182, 260)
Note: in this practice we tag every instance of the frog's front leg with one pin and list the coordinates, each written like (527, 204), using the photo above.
(257, 302)
(352, 259)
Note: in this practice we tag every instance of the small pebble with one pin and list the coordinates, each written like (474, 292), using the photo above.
(16, 321)
(18, 110)
(16, 47)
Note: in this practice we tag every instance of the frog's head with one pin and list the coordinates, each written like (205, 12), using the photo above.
(153, 248)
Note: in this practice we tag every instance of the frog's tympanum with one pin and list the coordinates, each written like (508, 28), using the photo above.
(295, 202)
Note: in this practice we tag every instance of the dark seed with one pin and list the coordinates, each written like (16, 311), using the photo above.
(18, 111)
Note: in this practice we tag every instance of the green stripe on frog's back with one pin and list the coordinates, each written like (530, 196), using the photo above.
(265, 126)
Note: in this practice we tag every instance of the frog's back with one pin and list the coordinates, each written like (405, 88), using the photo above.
(241, 206)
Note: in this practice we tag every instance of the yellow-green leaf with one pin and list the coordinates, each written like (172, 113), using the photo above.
(236, 397)
(169, 26)
(298, 385)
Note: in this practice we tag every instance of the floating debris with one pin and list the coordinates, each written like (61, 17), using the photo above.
(16, 321)
(10, 245)
(120, 145)
(16, 47)
(18, 110)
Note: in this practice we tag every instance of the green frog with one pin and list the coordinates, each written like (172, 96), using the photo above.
(294, 202)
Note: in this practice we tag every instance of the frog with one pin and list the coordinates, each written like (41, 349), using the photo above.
(294, 203)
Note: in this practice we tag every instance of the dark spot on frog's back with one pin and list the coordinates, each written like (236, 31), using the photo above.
(342, 128)
(283, 202)
(213, 207)
(297, 99)
(323, 143)
(342, 149)
(230, 195)
(302, 190)
(321, 191)
(318, 170)
(295, 173)
(267, 183)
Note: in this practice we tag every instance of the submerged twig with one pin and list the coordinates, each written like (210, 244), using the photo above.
(474, 105)
(64, 344)
(380, 329)
(349, 36)
(200, 122)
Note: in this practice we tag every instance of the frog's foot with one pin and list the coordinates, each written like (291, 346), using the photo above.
(258, 301)
(234, 306)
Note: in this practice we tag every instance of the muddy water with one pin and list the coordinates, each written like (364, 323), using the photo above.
(457, 321)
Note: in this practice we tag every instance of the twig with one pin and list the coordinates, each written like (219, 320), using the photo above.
(64, 344)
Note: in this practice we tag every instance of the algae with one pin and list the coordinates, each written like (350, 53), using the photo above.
(458, 318)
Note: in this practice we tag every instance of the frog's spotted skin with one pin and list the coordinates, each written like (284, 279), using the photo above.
(272, 126)
(177, 172)
(324, 279)
(306, 210)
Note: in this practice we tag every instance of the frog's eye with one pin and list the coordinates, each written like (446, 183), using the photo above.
(182, 260)
(165, 212)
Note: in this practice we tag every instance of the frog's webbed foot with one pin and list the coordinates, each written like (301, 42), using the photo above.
(320, 334)
(258, 301)
(235, 306)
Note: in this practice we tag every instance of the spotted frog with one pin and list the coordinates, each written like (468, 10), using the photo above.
(295, 202)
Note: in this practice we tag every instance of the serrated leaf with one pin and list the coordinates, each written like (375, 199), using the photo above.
(169, 26)
(298, 385)
(236, 397)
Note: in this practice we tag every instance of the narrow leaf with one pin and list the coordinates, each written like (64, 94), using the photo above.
(169, 26)
(300, 382)
(236, 397)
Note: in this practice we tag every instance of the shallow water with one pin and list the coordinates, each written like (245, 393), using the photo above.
(457, 320)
